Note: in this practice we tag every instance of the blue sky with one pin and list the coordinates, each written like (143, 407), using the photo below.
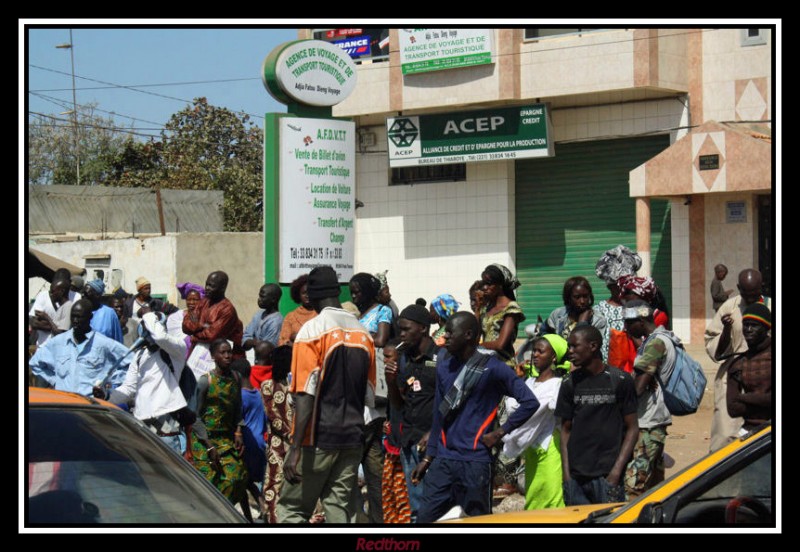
(163, 58)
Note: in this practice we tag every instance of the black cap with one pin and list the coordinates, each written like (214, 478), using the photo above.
(323, 283)
(417, 314)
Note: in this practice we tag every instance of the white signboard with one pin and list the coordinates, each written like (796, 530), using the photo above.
(312, 72)
(423, 50)
(317, 196)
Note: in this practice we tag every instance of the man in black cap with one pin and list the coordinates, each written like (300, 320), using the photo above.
(412, 385)
(750, 373)
(333, 377)
(724, 337)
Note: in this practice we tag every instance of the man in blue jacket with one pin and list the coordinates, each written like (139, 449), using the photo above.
(469, 386)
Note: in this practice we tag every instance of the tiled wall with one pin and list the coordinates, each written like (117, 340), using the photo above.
(433, 238)
(736, 78)
(730, 243)
(557, 66)
(613, 121)
(680, 270)
(438, 237)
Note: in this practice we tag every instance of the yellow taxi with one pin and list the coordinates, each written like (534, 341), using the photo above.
(88, 462)
(731, 486)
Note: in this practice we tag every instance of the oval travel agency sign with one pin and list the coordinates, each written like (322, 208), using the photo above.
(311, 72)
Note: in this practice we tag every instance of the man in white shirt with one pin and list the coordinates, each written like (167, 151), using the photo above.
(49, 314)
(152, 380)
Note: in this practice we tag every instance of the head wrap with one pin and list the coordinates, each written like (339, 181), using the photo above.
(644, 287)
(185, 288)
(417, 314)
(758, 312)
(616, 263)
(381, 276)
(636, 311)
(97, 285)
(323, 283)
(559, 345)
(499, 274)
(141, 281)
(369, 286)
(445, 305)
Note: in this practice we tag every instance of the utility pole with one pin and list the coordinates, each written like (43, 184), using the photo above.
(74, 109)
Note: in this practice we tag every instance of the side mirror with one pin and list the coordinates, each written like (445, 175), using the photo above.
(652, 514)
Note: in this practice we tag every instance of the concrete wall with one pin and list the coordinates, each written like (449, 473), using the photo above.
(240, 255)
(172, 259)
(152, 257)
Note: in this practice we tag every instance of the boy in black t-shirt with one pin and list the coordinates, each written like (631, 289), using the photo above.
(597, 407)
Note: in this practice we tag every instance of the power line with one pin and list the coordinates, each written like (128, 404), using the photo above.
(90, 125)
(88, 106)
(147, 85)
(125, 87)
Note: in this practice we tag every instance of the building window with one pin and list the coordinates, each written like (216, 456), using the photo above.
(549, 32)
(754, 37)
(360, 42)
(429, 173)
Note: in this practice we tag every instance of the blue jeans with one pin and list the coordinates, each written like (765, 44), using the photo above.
(451, 483)
(409, 456)
(592, 491)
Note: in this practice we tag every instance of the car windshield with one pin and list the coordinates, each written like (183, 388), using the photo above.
(90, 466)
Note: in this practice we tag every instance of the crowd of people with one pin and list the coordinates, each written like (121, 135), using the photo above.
(365, 413)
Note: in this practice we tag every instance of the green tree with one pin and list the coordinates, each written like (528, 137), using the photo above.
(212, 148)
(202, 147)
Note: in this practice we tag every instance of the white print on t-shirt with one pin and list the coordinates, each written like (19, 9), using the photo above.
(596, 398)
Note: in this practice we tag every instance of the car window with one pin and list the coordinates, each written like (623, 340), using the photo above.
(95, 466)
(740, 496)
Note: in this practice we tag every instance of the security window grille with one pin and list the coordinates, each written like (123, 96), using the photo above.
(429, 173)
(548, 32)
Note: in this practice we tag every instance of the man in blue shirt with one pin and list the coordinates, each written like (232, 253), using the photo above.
(104, 318)
(78, 359)
(469, 386)
(266, 323)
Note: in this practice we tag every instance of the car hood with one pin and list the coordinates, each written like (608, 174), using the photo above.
(568, 514)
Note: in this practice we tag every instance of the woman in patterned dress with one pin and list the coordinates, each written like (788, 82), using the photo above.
(275, 395)
(217, 445)
(500, 314)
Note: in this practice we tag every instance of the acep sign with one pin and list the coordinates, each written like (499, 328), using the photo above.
(310, 72)
(486, 135)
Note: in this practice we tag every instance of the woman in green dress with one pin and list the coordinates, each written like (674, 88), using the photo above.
(217, 445)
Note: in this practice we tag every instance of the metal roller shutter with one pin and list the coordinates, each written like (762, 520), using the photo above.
(571, 208)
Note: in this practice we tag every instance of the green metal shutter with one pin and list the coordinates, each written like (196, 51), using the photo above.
(571, 208)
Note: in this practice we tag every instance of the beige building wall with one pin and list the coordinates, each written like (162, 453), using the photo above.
(151, 257)
(577, 64)
(172, 259)
(672, 55)
(371, 94)
(736, 77)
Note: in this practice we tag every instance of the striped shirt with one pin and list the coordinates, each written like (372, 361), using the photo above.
(333, 359)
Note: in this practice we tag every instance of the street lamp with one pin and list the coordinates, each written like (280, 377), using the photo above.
(74, 110)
